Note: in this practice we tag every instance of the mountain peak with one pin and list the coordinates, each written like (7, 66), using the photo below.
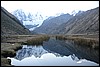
(82, 22)
(28, 18)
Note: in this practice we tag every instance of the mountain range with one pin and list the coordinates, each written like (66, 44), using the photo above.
(83, 22)
(86, 22)
(52, 23)
(28, 19)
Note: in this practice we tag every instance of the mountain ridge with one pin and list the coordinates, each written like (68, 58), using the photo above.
(10, 25)
(82, 23)
(51, 23)
(28, 18)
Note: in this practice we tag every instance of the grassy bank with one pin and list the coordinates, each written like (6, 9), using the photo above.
(5, 62)
(10, 44)
(8, 50)
(86, 40)
(37, 40)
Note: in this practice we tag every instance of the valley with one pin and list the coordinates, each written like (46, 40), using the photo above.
(26, 35)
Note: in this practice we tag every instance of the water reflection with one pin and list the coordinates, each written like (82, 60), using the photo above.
(28, 51)
(49, 59)
(56, 53)
(69, 48)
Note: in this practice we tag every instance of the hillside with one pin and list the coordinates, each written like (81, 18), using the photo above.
(83, 23)
(52, 23)
(10, 25)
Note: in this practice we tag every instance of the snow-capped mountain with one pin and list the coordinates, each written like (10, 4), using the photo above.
(28, 51)
(28, 18)
(76, 12)
(58, 14)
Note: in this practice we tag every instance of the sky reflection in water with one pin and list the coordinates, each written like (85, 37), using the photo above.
(56, 53)
(51, 59)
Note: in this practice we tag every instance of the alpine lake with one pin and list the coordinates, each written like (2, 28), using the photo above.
(55, 52)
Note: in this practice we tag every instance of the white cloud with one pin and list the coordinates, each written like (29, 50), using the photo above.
(49, 7)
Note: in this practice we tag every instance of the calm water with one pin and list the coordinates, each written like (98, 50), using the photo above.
(56, 53)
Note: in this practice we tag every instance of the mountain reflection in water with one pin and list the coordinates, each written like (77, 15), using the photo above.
(69, 48)
(56, 53)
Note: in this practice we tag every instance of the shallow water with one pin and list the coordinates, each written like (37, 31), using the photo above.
(56, 53)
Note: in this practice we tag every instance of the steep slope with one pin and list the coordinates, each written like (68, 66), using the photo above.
(10, 25)
(29, 18)
(84, 23)
(52, 23)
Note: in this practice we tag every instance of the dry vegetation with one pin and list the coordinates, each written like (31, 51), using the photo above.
(10, 44)
(5, 62)
(88, 40)
(8, 50)
(37, 40)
